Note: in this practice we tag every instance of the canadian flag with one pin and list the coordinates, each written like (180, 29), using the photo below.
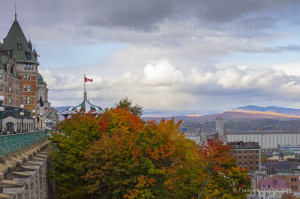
(87, 80)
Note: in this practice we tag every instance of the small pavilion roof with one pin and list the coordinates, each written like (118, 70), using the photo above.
(85, 105)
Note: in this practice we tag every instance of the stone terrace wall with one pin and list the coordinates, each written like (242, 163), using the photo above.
(23, 174)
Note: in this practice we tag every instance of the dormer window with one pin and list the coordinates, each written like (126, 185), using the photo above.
(19, 46)
(28, 56)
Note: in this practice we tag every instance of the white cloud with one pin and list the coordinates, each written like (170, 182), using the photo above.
(162, 73)
(161, 85)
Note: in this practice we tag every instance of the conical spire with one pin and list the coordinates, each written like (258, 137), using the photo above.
(17, 43)
(15, 11)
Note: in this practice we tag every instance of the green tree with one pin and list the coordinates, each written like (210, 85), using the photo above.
(126, 103)
(75, 136)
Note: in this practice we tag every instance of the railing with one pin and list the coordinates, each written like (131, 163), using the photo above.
(13, 142)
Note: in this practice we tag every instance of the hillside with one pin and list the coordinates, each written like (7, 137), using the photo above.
(242, 113)
(275, 109)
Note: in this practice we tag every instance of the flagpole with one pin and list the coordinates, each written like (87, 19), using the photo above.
(84, 94)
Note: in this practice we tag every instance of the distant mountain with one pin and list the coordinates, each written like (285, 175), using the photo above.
(242, 113)
(274, 109)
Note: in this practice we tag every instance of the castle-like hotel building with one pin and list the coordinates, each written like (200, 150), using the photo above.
(22, 85)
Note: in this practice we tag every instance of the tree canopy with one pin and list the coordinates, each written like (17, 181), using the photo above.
(117, 155)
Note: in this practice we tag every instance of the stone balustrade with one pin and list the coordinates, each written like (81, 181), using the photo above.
(13, 142)
(23, 166)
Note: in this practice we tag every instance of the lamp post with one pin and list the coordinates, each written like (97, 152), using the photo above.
(22, 115)
(41, 120)
(33, 116)
(1, 112)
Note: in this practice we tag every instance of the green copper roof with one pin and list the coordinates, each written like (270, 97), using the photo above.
(1, 64)
(3, 60)
(86, 106)
(15, 38)
(40, 79)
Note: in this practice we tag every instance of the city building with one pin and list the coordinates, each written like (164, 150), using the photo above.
(247, 155)
(271, 188)
(268, 141)
(285, 167)
(292, 181)
(21, 84)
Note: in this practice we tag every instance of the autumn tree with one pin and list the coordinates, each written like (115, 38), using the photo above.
(157, 161)
(75, 136)
(224, 179)
(117, 155)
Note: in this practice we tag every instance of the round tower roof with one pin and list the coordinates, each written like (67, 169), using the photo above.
(40, 79)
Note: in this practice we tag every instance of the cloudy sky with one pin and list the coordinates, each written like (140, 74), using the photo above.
(196, 56)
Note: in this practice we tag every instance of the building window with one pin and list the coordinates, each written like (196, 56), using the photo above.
(27, 100)
(5, 78)
(26, 77)
(294, 187)
(25, 66)
(10, 101)
(26, 88)
(9, 90)
(28, 56)
(19, 46)
(17, 102)
(240, 157)
(0, 76)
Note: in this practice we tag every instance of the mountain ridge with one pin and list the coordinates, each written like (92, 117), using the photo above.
(240, 113)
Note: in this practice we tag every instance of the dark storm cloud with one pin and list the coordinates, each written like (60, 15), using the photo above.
(143, 14)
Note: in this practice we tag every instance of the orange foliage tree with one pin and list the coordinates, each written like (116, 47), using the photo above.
(123, 157)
